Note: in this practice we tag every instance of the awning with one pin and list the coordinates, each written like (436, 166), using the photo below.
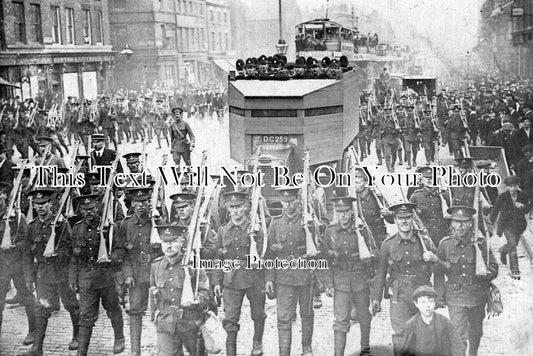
(224, 64)
(6, 83)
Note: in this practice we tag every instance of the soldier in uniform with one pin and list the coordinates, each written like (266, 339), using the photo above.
(456, 132)
(390, 131)
(428, 200)
(233, 240)
(464, 291)
(51, 272)
(348, 277)
(364, 129)
(374, 216)
(411, 130)
(107, 122)
(408, 258)
(122, 121)
(376, 135)
(430, 136)
(182, 145)
(176, 324)
(94, 279)
(45, 151)
(11, 263)
(287, 240)
(134, 235)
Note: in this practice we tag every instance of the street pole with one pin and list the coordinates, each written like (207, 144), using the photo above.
(280, 22)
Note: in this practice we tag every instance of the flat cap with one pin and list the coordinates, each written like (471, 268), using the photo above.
(424, 290)
(511, 180)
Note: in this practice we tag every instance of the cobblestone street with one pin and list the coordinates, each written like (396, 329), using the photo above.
(509, 334)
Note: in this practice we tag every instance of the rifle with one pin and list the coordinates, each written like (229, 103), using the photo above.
(187, 295)
(364, 252)
(50, 249)
(256, 194)
(154, 234)
(481, 267)
(308, 211)
(17, 116)
(2, 112)
(106, 222)
(418, 224)
(6, 239)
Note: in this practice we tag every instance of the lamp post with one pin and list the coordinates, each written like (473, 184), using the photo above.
(282, 46)
(468, 54)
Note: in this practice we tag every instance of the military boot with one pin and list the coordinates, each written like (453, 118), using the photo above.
(307, 336)
(30, 315)
(285, 340)
(40, 331)
(259, 328)
(135, 334)
(84, 337)
(231, 344)
(503, 254)
(118, 328)
(340, 343)
(75, 319)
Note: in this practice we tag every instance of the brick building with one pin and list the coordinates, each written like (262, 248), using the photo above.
(56, 48)
(168, 38)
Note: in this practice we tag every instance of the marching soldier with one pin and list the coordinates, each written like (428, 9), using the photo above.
(348, 277)
(457, 131)
(51, 277)
(429, 204)
(364, 129)
(287, 240)
(390, 131)
(408, 258)
(45, 151)
(123, 123)
(377, 136)
(11, 263)
(107, 122)
(430, 136)
(464, 292)
(411, 130)
(94, 279)
(134, 235)
(233, 239)
(182, 145)
(374, 216)
(176, 324)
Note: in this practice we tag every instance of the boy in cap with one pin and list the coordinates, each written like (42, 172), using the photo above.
(182, 138)
(408, 258)
(51, 277)
(233, 240)
(93, 276)
(429, 333)
(176, 324)
(134, 235)
(464, 291)
(508, 213)
(348, 275)
(11, 262)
